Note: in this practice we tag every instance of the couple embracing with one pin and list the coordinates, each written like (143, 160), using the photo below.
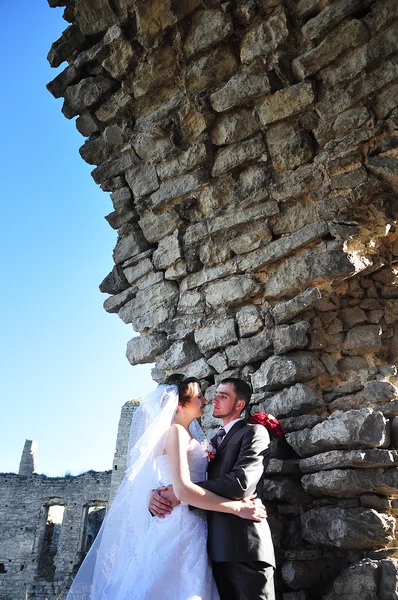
(164, 554)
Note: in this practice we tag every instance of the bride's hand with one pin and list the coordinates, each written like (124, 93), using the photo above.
(252, 508)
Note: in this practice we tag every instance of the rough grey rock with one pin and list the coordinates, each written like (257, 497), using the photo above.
(282, 489)
(343, 96)
(348, 483)
(350, 119)
(353, 429)
(211, 69)
(285, 311)
(249, 321)
(70, 42)
(338, 459)
(207, 27)
(218, 362)
(283, 246)
(366, 579)
(290, 337)
(154, 18)
(361, 578)
(86, 93)
(301, 422)
(129, 246)
(291, 401)
(362, 339)
(86, 124)
(94, 17)
(142, 180)
(352, 316)
(331, 16)
(288, 147)
(185, 161)
(138, 267)
(230, 157)
(265, 37)
(348, 35)
(156, 70)
(374, 393)
(231, 290)
(151, 145)
(233, 127)
(178, 355)
(388, 583)
(285, 102)
(277, 466)
(98, 51)
(239, 89)
(347, 528)
(301, 574)
(156, 227)
(112, 106)
(114, 303)
(151, 305)
(233, 218)
(94, 150)
(191, 303)
(294, 273)
(168, 251)
(145, 349)
(291, 184)
(178, 187)
(278, 371)
(216, 334)
(391, 311)
(199, 369)
(112, 168)
(251, 349)
(61, 82)
(365, 57)
(115, 282)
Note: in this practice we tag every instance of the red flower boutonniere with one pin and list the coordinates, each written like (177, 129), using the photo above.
(272, 424)
(210, 450)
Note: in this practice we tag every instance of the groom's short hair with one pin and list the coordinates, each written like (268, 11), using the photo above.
(242, 389)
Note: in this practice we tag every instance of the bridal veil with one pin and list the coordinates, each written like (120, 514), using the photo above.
(117, 544)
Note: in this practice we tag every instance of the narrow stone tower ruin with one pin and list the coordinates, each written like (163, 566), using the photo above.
(250, 149)
(27, 466)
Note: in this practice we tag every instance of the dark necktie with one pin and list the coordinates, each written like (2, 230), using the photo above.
(220, 437)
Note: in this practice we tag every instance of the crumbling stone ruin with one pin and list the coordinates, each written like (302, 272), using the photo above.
(47, 524)
(250, 149)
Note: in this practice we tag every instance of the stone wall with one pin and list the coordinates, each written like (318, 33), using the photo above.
(250, 150)
(40, 554)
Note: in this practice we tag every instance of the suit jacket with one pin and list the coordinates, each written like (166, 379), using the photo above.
(236, 472)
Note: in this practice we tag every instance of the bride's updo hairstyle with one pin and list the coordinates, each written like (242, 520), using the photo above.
(186, 387)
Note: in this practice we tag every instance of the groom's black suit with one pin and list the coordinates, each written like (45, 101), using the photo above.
(236, 472)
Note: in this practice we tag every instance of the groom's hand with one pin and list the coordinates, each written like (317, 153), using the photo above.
(162, 501)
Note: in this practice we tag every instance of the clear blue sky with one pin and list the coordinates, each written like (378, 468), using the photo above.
(63, 371)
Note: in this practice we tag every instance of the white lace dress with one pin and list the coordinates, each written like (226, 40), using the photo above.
(173, 556)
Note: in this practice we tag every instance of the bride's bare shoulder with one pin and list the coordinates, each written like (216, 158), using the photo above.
(178, 435)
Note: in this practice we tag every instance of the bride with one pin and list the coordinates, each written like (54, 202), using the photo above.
(137, 556)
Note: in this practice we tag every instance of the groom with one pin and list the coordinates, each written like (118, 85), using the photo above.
(241, 551)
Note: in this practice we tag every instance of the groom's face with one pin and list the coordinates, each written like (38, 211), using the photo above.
(225, 404)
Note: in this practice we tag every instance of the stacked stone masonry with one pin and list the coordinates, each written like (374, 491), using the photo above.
(251, 154)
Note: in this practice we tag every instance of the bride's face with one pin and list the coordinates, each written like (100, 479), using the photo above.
(196, 403)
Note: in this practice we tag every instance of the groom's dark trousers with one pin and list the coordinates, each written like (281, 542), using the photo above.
(241, 551)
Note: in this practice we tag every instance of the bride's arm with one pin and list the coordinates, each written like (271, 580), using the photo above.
(186, 491)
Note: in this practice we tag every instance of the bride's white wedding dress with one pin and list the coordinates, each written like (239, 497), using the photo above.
(170, 560)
